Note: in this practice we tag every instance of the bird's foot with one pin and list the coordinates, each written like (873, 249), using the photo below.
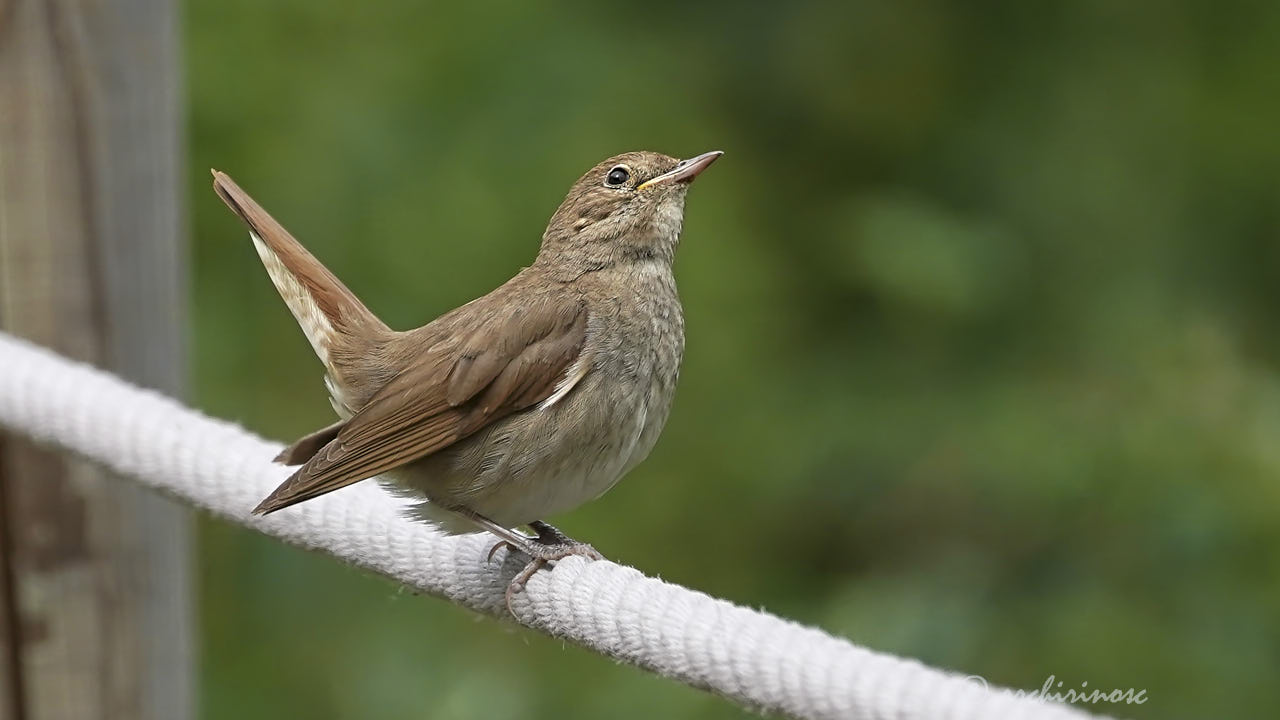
(549, 546)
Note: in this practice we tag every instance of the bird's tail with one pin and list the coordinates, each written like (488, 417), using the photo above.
(326, 310)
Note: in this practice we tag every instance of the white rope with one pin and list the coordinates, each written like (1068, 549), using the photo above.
(750, 657)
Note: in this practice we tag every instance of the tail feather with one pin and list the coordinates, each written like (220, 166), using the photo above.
(324, 307)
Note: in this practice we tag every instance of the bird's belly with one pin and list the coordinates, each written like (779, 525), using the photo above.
(542, 462)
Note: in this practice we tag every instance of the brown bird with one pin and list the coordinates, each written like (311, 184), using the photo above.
(521, 404)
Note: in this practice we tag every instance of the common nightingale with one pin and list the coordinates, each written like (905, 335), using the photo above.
(520, 404)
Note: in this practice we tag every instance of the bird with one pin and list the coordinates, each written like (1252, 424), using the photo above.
(519, 405)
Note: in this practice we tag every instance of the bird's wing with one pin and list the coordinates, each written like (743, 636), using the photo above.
(495, 359)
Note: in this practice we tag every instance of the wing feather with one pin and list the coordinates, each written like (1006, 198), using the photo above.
(449, 392)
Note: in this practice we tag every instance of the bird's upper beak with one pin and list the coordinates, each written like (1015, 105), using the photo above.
(684, 171)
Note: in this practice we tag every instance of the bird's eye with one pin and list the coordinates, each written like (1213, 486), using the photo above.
(617, 176)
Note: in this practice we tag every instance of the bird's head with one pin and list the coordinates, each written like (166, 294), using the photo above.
(627, 208)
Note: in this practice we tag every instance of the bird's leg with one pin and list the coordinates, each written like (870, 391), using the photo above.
(548, 534)
(509, 538)
(549, 546)
(560, 544)
(552, 545)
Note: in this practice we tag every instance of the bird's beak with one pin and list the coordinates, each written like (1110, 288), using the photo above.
(684, 171)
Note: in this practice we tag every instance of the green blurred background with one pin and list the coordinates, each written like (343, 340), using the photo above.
(983, 364)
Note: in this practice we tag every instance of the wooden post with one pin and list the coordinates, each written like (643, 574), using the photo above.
(95, 593)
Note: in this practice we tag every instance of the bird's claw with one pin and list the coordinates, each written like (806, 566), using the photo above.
(550, 545)
(496, 546)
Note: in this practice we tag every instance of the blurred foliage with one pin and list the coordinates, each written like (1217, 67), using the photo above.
(982, 358)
